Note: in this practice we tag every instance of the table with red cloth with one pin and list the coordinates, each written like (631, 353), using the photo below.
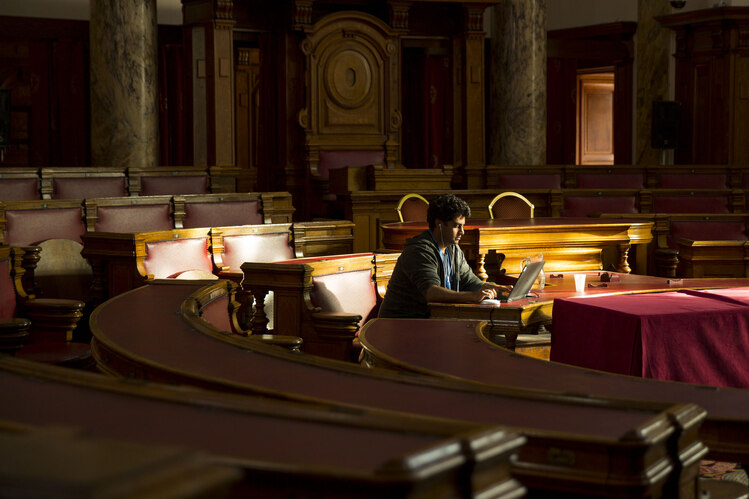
(687, 335)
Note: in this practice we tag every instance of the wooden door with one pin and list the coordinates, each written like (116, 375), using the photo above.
(595, 119)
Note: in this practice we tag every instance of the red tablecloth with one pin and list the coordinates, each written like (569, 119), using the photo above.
(692, 336)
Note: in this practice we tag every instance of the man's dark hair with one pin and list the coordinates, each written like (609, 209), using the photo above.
(446, 207)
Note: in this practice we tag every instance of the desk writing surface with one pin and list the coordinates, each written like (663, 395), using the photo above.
(239, 435)
(690, 336)
(536, 310)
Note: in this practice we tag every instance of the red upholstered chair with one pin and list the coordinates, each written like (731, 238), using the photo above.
(412, 207)
(331, 160)
(583, 202)
(232, 246)
(19, 184)
(37, 329)
(692, 181)
(335, 295)
(169, 258)
(162, 180)
(212, 210)
(695, 201)
(129, 214)
(83, 182)
(510, 205)
(610, 180)
(29, 222)
(515, 177)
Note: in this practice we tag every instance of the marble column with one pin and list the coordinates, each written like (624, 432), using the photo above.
(517, 107)
(652, 60)
(124, 83)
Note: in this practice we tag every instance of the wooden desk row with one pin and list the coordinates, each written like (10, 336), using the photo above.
(565, 243)
(150, 440)
(575, 445)
(121, 261)
(729, 430)
(28, 183)
(621, 176)
(371, 210)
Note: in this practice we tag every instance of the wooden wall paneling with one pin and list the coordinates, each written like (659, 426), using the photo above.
(739, 153)
(570, 50)
(711, 74)
(473, 126)
(246, 110)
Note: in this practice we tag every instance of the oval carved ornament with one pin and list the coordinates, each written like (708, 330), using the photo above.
(348, 77)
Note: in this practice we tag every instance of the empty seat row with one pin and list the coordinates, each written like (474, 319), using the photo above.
(17, 184)
(25, 223)
(617, 176)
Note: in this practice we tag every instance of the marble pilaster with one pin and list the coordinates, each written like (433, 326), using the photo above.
(652, 60)
(124, 83)
(517, 109)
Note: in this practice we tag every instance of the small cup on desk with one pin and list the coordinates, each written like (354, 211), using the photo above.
(580, 283)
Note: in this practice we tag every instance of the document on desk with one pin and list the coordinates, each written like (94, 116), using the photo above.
(489, 301)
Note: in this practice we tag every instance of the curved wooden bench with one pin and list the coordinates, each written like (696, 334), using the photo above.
(577, 445)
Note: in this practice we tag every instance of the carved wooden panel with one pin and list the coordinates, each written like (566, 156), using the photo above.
(352, 78)
(246, 112)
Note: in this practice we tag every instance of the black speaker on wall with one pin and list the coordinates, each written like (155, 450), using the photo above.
(4, 117)
(665, 125)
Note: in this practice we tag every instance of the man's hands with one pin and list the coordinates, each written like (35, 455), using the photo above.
(488, 290)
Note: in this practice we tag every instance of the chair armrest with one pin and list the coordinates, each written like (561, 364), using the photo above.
(14, 333)
(53, 318)
(336, 325)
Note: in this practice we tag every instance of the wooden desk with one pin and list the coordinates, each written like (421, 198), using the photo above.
(283, 449)
(566, 243)
(448, 349)
(530, 314)
(575, 445)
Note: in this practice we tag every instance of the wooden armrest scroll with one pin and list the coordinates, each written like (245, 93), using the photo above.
(14, 333)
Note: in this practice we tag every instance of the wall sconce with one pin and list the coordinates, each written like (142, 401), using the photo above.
(678, 4)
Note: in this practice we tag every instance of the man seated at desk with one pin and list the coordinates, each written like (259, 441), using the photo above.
(433, 268)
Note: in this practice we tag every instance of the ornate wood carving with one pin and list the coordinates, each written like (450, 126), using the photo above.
(353, 87)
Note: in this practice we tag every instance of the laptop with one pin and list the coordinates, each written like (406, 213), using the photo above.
(524, 284)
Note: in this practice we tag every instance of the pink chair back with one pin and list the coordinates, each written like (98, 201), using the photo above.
(350, 292)
(168, 258)
(19, 189)
(133, 218)
(222, 214)
(28, 227)
(256, 248)
(581, 206)
(88, 187)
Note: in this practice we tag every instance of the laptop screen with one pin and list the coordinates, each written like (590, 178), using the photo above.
(525, 281)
